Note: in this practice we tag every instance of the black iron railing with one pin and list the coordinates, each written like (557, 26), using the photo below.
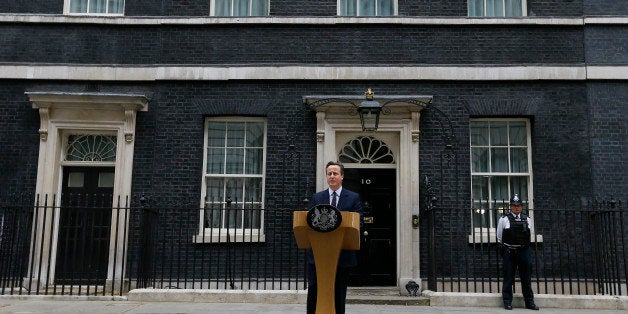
(90, 249)
(221, 248)
(83, 248)
(575, 250)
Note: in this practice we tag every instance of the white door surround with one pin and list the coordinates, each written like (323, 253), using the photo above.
(399, 128)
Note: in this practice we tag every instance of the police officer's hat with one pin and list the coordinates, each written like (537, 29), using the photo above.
(516, 200)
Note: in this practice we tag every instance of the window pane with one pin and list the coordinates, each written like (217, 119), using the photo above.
(91, 148)
(254, 160)
(367, 8)
(385, 8)
(254, 134)
(235, 161)
(476, 7)
(213, 217)
(479, 133)
(233, 218)
(252, 218)
(348, 7)
(116, 6)
(518, 135)
(259, 8)
(216, 134)
(499, 134)
(480, 159)
(78, 6)
(223, 8)
(97, 6)
(513, 8)
(216, 160)
(235, 134)
(76, 179)
(215, 190)
(519, 185)
(480, 188)
(253, 190)
(105, 179)
(519, 159)
(481, 217)
(499, 188)
(499, 159)
(494, 8)
(235, 190)
(240, 7)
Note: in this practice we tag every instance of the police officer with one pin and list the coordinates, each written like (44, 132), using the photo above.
(513, 234)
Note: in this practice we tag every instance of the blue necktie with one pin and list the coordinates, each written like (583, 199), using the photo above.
(333, 199)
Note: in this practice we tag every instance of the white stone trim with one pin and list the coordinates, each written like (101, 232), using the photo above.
(607, 72)
(606, 20)
(96, 113)
(331, 20)
(333, 124)
(309, 72)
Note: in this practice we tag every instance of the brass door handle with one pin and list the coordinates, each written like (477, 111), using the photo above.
(366, 233)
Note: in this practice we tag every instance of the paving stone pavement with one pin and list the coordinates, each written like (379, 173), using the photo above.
(40, 305)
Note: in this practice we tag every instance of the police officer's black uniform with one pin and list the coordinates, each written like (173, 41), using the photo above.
(513, 233)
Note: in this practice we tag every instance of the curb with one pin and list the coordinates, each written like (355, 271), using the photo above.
(593, 302)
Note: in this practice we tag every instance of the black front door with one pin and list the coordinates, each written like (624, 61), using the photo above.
(377, 258)
(84, 225)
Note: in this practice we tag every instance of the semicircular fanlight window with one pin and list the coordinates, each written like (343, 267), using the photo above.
(366, 150)
(91, 148)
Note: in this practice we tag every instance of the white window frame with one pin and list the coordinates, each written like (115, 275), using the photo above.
(68, 3)
(488, 234)
(212, 9)
(340, 2)
(524, 10)
(222, 234)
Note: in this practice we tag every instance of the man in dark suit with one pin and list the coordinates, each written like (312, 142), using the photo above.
(344, 200)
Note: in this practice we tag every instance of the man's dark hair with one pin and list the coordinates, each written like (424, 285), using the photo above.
(336, 163)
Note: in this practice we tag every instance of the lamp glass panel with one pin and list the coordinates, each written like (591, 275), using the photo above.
(369, 119)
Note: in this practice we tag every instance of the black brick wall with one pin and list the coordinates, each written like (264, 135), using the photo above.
(608, 113)
(432, 8)
(166, 8)
(18, 139)
(606, 44)
(245, 44)
(34, 6)
(605, 7)
(555, 8)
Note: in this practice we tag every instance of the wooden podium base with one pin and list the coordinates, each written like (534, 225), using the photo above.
(326, 247)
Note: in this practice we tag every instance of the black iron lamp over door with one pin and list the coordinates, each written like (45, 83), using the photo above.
(369, 111)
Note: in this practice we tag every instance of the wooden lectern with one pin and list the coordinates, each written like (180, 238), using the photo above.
(326, 247)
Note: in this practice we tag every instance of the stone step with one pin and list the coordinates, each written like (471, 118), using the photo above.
(383, 296)
(388, 300)
(373, 291)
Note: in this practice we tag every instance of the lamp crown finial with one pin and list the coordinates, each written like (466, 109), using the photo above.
(369, 94)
